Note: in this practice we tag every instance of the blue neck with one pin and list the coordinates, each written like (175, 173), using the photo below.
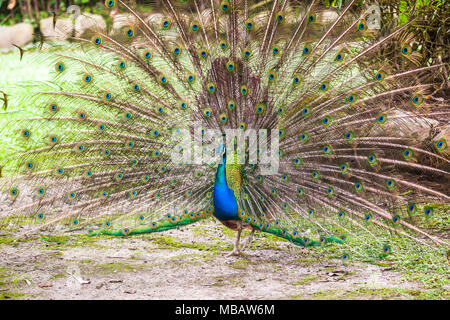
(225, 205)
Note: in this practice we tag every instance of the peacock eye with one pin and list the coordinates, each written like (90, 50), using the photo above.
(59, 67)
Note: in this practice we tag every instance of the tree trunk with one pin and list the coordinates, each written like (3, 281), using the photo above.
(29, 10)
(36, 10)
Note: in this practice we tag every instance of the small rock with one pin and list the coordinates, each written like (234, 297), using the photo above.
(115, 281)
(89, 22)
(45, 285)
(130, 291)
(122, 20)
(19, 34)
(327, 16)
(63, 29)
(337, 273)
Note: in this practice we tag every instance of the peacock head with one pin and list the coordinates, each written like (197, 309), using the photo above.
(221, 148)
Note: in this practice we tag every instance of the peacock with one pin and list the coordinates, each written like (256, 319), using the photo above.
(320, 126)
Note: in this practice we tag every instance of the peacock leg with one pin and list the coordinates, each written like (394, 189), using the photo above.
(236, 250)
(248, 241)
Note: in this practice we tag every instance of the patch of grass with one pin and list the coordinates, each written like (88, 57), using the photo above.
(328, 269)
(116, 267)
(306, 261)
(376, 294)
(14, 241)
(74, 241)
(7, 241)
(229, 280)
(166, 242)
(86, 261)
(345, 275)
(7, 295)
(14, 221)
(180, 261)
(388, 293)
(58, 275)
(9, 283)
(200, 231)
(233, 234)
(306, 280)
(269, 236)
(241, 264)
(135, 255)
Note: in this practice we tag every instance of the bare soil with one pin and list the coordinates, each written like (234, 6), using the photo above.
(187, 263)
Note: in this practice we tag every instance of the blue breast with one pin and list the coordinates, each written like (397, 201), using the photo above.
(225, 205)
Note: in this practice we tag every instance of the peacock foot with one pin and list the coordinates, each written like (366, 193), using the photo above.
(235, 252)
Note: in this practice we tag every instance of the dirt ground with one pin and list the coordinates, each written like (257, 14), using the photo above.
(187, 263)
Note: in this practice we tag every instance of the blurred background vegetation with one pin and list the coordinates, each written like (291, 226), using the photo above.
(434, 27)
(14, 11)
(32, 11)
